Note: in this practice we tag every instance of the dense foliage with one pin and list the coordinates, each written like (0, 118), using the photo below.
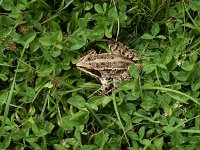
(47, 103)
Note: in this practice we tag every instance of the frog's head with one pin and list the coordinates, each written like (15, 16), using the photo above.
(85, 66)
(84, 62)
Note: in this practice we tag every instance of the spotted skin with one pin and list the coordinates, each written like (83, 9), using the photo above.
(109, 68)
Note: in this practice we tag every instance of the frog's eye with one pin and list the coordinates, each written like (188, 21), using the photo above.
(123, 52)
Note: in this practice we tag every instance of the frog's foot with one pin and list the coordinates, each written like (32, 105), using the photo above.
(92, 51)
(107, 88)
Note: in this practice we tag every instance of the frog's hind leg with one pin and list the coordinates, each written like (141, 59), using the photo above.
(121, 49)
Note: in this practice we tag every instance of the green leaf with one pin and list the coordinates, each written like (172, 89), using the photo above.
(161, 37)
(31, 111)
(80, 117)
(112, 13)
(181, 75)
(187, 66)
(147, 36)
(133, 96)
(77, 46)
(3, 97)
(79, 41)
(3, 77)
(44, 4)
(46, 41)
(35, 45)
(66, 123)
(101, 138)
(77, 101)
(98, 8)
(196, 85)
(97, 100)
(91, 106)
(82, 24)
(148, 68)
(180, 98)
(155, 29)
(104, 7)
(59, 36)
(161, 66)
(54, 26)
(6, 142)
(49, 127)
(134, 71)
(123, 17)
(7, 21)
(106, 100)
(77, 135)
(30, 38)
(7, 5)
(167, 55)
(45, 70)
(88, 5)
(169, 129)
(88, 17)
(158, 142)
(108, 32)
(30, 92)
(33, 144)
(73, 24)
(48, 57)
(145, 142)
(141, 132)
(96, 33)
(148, 103)
(72, 141)
(59, 147)
(194, 5)
(37, 132)
(151, 131)
(55, 52)
(51, 38)
(189, 25)
(133, 135)
(132, 10)
(89, 147)
(165, 74)
(193, 57)
(127, 85)
(177, 138)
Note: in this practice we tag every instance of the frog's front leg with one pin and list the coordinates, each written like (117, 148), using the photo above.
(107, 84)
(105, 87)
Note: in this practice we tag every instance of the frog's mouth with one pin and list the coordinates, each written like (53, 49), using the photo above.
(94, 73)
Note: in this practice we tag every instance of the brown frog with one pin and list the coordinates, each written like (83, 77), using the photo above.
(109, 68)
